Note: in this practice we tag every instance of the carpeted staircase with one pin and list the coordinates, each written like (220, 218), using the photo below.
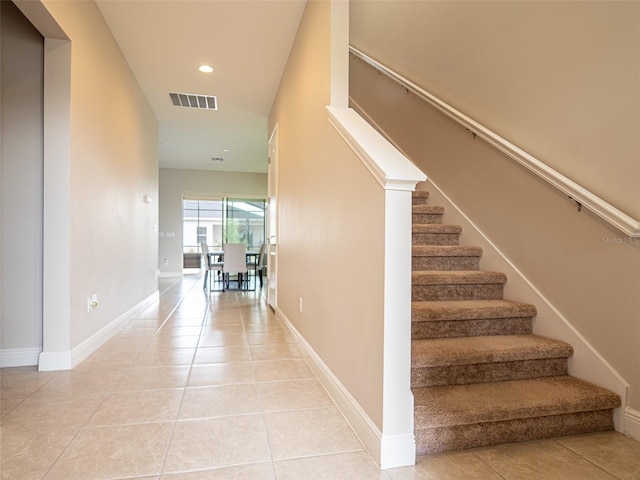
(478, 375)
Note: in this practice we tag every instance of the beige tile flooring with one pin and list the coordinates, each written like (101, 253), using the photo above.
(193, 389)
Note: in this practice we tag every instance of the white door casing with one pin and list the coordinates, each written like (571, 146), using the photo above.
(273, 220)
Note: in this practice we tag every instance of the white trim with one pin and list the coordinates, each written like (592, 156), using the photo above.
(339, 53)
(273, 226)
(632, 423)
(56, 249)
(584, 197)
(67, 360)
(169, 274)
(95, 341)
(389, 167)
(388, 451)
(19, 357)
(51, 361)
(398, 450)
(398, 407)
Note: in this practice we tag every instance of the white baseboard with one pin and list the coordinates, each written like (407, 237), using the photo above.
(398, 450)
(169, 274)
(67, 360)
(52, 361)
(388, 451)
(95, 341)
(632, 423)
(19, 357)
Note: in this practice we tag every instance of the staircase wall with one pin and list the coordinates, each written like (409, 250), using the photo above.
(338, 222)
(558, 79)
(580, 273)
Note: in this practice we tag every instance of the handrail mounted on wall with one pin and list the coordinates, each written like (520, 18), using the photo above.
(583, 197)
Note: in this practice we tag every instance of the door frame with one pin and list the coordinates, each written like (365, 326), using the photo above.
(272, 230)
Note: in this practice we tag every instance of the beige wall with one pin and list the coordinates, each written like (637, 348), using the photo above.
(113, 165)
(558, 79)
(331, 224)
(175, 183)
(585, 268)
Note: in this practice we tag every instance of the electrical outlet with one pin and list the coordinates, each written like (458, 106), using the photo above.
(92, 302)
(166, 261)
(300, 304)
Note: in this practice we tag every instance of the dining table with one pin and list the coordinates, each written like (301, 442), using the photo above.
(252, 258)
(218, 256)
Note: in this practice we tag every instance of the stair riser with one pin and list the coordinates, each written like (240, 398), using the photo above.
(487, 372)
(442, 439)
(457, 292)
(420, 197)
(445, 263)
(426, 218)
(436, 238)
(469, 328)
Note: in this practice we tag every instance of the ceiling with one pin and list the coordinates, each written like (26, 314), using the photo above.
(247, 42)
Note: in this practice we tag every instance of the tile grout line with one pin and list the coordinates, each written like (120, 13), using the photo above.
(488, 465)
(573, 452)
(184, 390)
(176, 306)
(259, 397)
(79, 430)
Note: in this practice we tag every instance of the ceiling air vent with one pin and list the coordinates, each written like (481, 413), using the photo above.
(194, 101)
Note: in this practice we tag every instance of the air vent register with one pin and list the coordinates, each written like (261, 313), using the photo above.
(194, 101)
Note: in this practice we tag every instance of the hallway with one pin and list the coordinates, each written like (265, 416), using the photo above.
(195, 389)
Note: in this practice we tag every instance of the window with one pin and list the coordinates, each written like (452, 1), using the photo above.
(222, 220)
(244, 222)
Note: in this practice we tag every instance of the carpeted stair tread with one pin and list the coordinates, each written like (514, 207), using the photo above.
(425, 311)
(427, 209)
(456, 277)
(435, 228)
(445, 251)
(426, 214)
(502, 401)
(420, 196)
(435, 234)
(488, 349)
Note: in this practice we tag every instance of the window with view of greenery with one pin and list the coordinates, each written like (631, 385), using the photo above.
(222, 220)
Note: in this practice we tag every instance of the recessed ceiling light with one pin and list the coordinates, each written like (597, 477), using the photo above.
(205, 68)
(226, 150)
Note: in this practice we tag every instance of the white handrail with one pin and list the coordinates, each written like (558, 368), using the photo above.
(386, 163)
(585, 198)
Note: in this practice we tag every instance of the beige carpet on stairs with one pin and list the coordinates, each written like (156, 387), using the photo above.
(479, 376)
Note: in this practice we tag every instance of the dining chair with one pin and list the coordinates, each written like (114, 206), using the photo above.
(261, 266)
(235, 261)
(254, 263)
(211, 267)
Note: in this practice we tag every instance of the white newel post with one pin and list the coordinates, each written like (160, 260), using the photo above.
(398, 446)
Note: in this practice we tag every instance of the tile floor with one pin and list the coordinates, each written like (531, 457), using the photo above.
(193, 389)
